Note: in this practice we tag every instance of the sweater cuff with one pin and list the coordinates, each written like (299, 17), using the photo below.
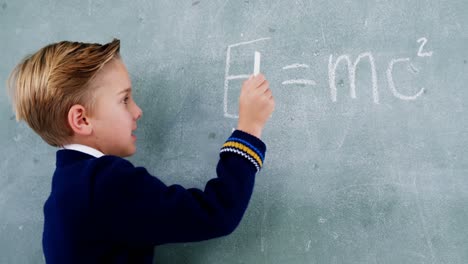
(247, 146)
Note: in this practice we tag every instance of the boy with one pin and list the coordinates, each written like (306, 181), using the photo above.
(101, 208)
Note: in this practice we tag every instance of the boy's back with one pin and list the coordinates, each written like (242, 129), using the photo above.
(101, 208)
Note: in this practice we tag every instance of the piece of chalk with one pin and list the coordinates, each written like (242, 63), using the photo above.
(257, 63)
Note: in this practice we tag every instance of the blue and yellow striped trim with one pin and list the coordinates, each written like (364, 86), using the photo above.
(245, 149)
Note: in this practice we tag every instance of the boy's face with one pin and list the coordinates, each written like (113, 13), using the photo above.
(115, 113)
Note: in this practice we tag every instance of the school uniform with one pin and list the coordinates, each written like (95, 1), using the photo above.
(103, 209)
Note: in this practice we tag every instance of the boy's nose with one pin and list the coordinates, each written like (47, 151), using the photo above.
(139, 112)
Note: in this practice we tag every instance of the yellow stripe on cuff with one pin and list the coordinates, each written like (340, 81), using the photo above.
(244, 148)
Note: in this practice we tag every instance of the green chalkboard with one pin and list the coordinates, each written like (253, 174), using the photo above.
(366, 160)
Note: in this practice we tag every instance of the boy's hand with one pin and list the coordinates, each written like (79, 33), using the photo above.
(256, 103)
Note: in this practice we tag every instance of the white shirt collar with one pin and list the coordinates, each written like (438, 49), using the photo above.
(85, 149)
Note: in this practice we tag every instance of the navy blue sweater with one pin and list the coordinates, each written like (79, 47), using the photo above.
(105, 210)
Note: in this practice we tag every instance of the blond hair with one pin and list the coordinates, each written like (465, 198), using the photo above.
(45, 85)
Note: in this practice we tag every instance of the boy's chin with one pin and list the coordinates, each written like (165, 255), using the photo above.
(127, 153)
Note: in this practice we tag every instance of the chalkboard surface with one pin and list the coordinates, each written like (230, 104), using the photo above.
(367, 149)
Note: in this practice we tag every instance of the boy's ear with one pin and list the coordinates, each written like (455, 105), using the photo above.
(78, 120)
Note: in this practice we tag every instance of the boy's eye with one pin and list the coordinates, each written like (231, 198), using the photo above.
(125, 100)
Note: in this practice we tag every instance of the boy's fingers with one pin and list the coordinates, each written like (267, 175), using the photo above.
(263, 87)
(258, 80)
(247, 83)
(255, 82)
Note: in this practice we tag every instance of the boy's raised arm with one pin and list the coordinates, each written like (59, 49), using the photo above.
(131, 206)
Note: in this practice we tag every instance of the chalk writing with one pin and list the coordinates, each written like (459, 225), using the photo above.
(352, 75)
(391, 84)
(420, 52)
(332, 69)
(295, 65)
(228, 77)
(298, 81)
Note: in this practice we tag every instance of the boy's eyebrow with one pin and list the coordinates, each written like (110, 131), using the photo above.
(125, 91)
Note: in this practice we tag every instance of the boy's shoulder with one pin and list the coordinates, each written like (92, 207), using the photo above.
(68, 157)
(75, 168)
